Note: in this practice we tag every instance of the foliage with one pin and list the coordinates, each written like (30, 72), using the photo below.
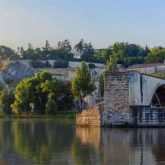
(159, 75)
(84, 51)
(2, 86)
(44, 92)
(6, 99)
(51, 107)
(125, 53)
(6, 52)
(112, 63)
(156, 55)
(82, 84)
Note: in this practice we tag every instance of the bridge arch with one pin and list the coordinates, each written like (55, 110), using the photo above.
(158, 96)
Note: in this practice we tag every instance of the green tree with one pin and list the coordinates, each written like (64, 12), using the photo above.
(156, 55)
(79, 48)
(64, 46)
(84, 51)
(44, 92)
(82, 84)
(6, 99)
(112, 63)
(6, 52)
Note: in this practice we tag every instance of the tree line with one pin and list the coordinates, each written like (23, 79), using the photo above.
(124, 53)
(42, 94)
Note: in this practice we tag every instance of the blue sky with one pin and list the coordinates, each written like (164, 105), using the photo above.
(101, 22)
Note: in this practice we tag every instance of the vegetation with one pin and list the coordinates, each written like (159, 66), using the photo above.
(156, 55)
(82, 84)
(42, 94)
(159, 75)
(123, 52)
(112, 64)
(6, 99)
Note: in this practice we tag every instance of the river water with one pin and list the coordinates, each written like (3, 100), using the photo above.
(59, 142)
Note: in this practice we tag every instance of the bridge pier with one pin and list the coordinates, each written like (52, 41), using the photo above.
(116, 99)
(129, 98)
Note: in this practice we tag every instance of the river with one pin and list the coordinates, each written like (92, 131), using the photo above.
(59, 142)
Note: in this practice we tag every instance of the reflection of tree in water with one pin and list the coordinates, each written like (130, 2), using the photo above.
(8, 155)
(85, 148)
(5, 133)
(40, 140)
(82, 153)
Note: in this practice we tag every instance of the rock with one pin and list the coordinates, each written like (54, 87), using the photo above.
(17, 71)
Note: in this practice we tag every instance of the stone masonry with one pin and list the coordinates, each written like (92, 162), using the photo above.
(116, 99)
(130, 98)
(90, 117)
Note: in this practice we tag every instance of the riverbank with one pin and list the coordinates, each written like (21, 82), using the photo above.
(58, 115)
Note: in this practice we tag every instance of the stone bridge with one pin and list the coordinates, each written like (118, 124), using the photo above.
(133, 98)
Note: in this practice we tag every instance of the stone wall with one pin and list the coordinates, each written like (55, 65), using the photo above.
(89, 117)
(116, 99)
(148, 116)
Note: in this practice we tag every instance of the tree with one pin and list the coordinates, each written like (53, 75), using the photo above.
(6, 99)
(30, 47)
(84, 51)
(112, 63)
(64, 46)
(47, 45)
(156, 54)
(82, 84)
(44, 92)
(79, 48)
(6, 52)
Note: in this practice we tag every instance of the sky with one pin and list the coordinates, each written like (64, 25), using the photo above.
(101, 22)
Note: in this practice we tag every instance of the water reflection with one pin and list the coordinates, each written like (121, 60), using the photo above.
(89, 136)
(58, 142)
(125, 146)
(35, 141)
(85, 149)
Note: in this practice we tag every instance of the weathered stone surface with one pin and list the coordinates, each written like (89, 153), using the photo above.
(90, 117)
(128, 99)
(17, 71)
(116, 99)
